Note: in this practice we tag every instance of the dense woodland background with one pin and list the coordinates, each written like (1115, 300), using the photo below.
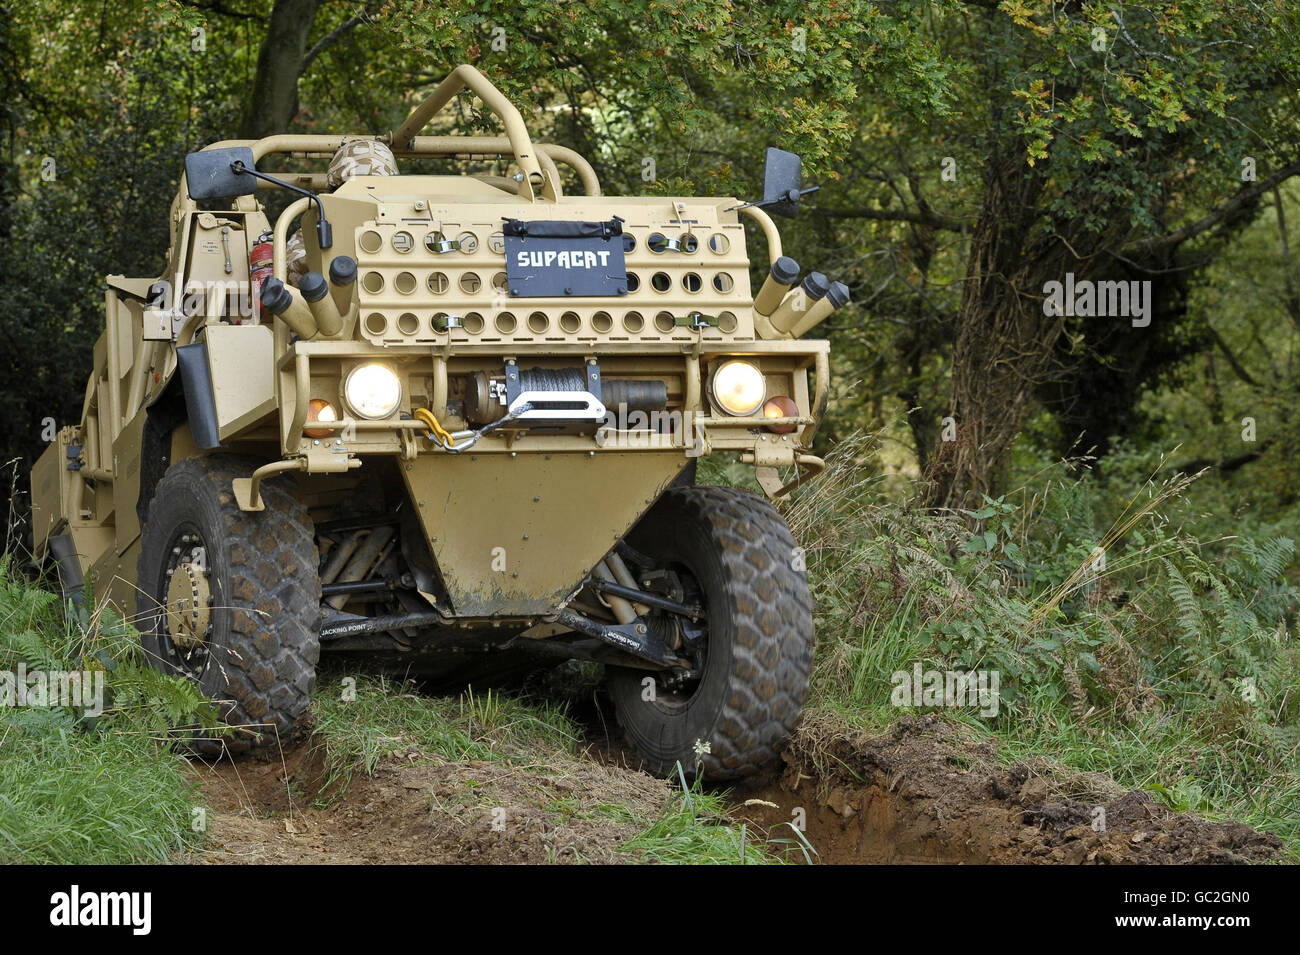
(968, 151)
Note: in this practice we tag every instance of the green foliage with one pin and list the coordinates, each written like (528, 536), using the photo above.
(1123, 640)
(693, 830)
(78, 788)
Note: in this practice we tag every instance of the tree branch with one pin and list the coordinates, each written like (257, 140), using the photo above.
(217, 8)
(1218, 216)
(363, 17)
(925, 216)
(1237, 366)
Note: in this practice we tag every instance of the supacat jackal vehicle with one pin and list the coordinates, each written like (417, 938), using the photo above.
(462, 442)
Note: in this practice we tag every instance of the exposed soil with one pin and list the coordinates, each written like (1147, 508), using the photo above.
(416, 811)
(931, 792)
(927, 792)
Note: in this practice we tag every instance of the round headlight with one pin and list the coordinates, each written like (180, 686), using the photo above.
(739, 388)
(372, 391)
(318, 409)
(780, 407)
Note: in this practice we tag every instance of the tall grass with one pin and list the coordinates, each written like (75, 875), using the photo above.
(77, 789)
(1133, 633)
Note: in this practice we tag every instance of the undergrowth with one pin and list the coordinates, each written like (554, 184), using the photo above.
(1132, 630)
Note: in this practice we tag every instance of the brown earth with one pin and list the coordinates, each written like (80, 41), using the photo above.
(929, 791)
(414, 810)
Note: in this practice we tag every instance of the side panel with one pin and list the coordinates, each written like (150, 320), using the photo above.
(126, 487)
(242, 363)
(49, 504)
(513, 536)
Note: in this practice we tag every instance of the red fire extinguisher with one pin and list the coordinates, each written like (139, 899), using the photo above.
(260, 266)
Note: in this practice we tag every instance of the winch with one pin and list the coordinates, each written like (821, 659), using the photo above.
(569, 400)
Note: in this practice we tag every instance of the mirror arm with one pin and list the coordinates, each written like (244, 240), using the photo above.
(793, 196)
(324, 234)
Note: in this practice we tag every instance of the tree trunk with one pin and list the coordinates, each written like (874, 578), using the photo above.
(1004, 341)
(273, 101)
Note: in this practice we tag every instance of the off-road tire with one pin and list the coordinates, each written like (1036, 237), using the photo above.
(760, 637)
(264, 642)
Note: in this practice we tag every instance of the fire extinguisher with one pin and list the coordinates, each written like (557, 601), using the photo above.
(260, 267)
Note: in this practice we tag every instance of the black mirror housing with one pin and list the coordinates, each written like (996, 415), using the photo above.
(208, 173)
(782, 182)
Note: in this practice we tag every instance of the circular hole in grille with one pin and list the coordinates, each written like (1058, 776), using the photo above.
(722, 282)
(376, 323)
(719, 243)
(691, 282)
(506, 323)
(404, 283)
(473, 323)
(601, 323)
(470, 283)
(629, 242)
(690, 244)
(570, 322)
(660, 282)
(371, 241)
(538, 322)
(727, 322)
(633, 282)
(634, 322)
(437, 283)
(373, 282)
(407, 323)
(657, 242)
(499, 282)
(664, 322)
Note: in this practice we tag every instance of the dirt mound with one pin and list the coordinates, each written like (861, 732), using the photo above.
(416, 811)
(931, 792)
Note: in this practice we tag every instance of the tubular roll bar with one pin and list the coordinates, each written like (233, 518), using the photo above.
(323, 147)
(467, 77)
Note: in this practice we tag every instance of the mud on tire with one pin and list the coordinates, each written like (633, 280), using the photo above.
(759, 640)
(260, 654)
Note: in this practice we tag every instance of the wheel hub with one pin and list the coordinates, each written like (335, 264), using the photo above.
(188, 610)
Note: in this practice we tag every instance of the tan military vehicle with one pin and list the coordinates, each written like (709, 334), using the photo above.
(461, 441)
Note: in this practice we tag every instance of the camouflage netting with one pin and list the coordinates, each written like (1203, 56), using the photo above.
(360, 157)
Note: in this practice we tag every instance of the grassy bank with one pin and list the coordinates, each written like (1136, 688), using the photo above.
(1142, 624)
(530, 758)
(82, 790)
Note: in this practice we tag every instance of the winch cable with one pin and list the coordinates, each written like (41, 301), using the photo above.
(455, 443)
(430, 421)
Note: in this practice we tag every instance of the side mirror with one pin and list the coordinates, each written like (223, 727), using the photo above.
(782, 183)
(783, 174)
(208, 173)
